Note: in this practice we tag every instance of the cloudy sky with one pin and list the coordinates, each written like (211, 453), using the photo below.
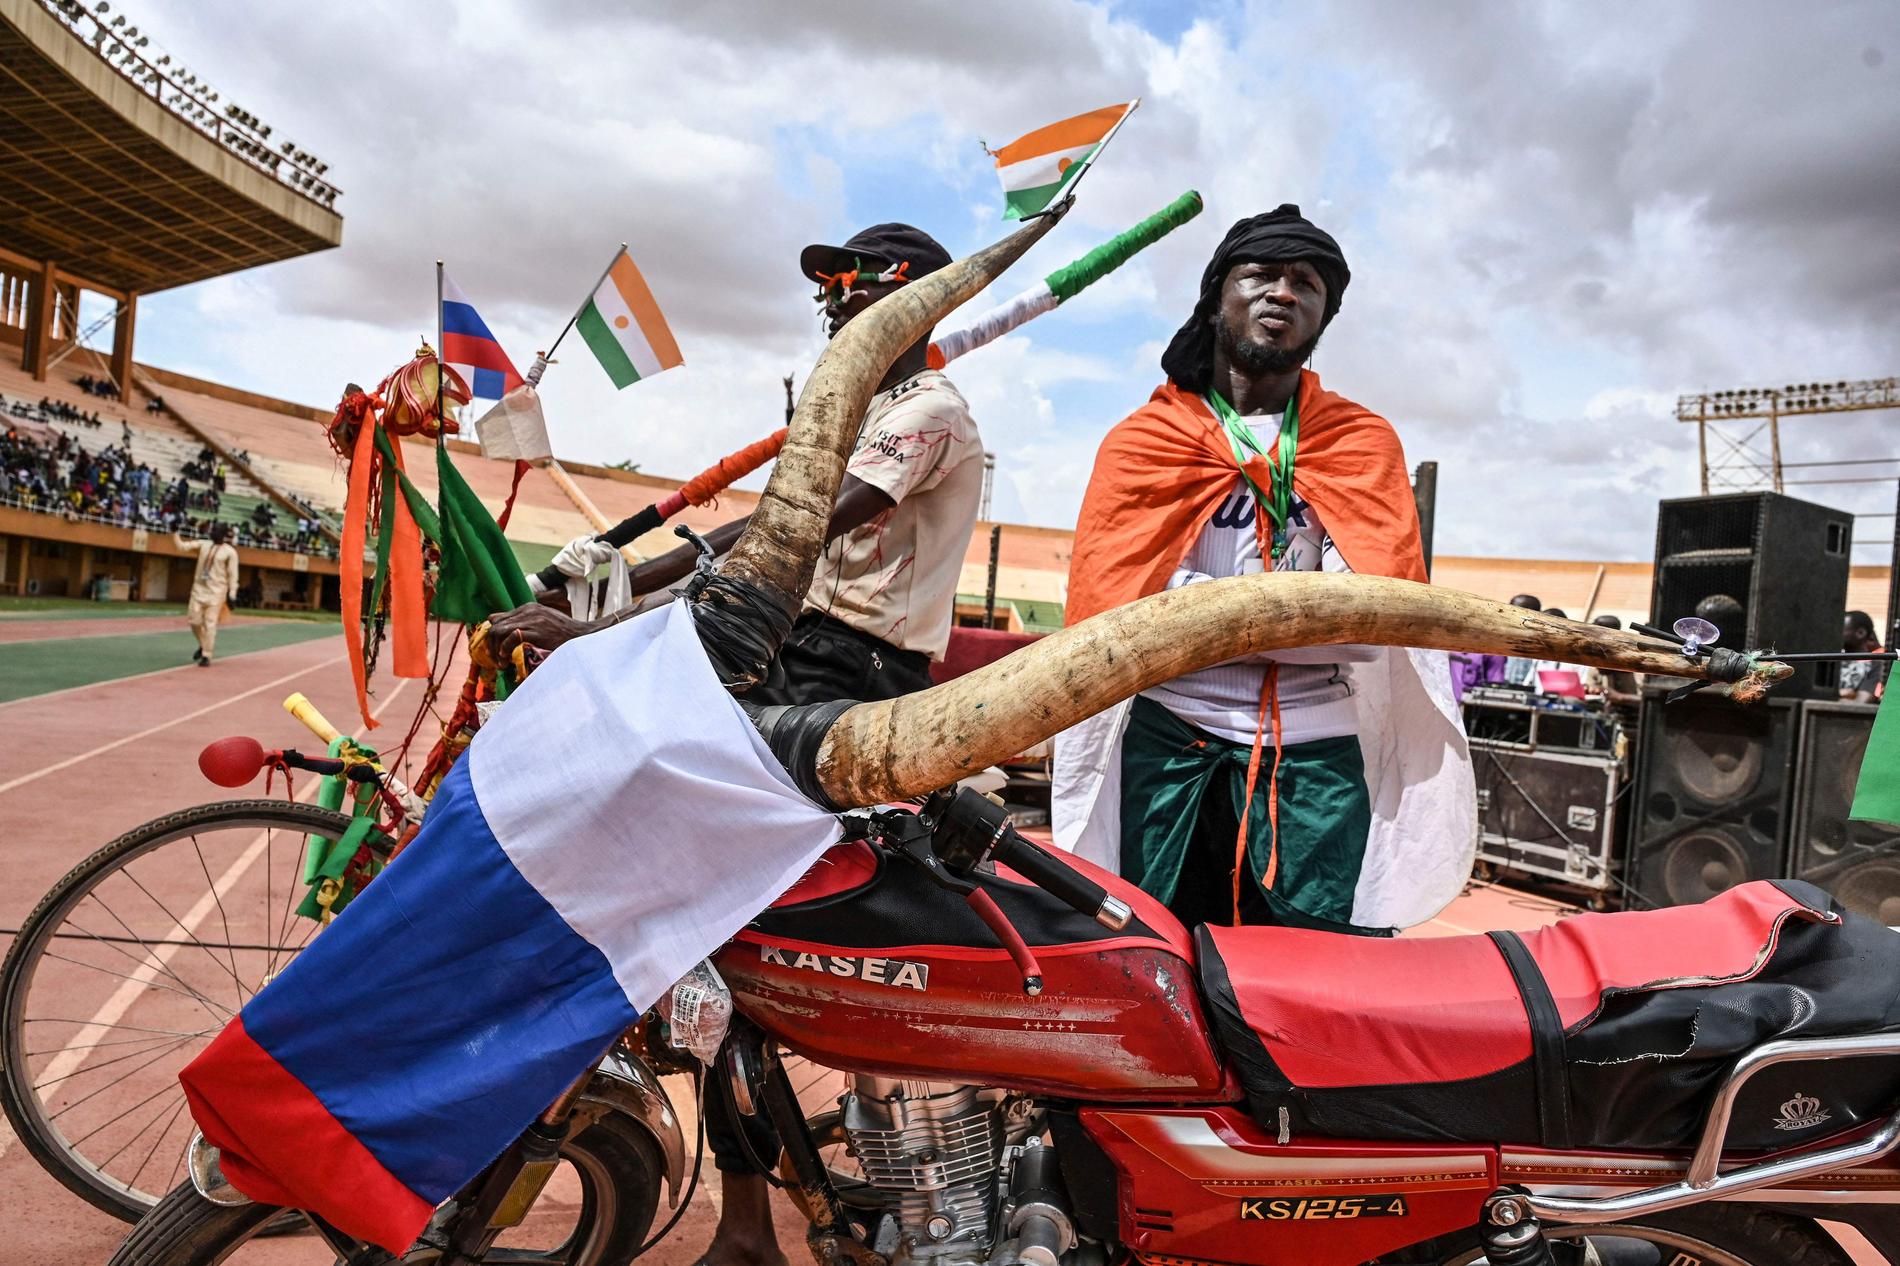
(1558, 216)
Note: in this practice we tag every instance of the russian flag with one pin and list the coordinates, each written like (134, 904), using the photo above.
(614, 822)
(470, 350)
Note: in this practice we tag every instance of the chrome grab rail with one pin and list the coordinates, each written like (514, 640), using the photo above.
(1705, 1181)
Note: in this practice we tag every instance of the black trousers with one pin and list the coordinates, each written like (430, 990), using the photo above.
(823, 660)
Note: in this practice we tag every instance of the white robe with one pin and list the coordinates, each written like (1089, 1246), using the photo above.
(1424, 833)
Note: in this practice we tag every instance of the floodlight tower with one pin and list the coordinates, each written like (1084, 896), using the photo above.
(1737, 420)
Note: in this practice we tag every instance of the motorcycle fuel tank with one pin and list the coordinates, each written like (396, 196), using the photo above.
(868, 966)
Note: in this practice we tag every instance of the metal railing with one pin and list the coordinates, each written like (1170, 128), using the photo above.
(117, 44)
(54, 505)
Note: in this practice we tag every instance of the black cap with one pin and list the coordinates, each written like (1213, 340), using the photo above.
(885, 244)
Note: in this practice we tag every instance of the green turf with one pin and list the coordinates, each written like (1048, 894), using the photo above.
(18, 608)
(37, 668)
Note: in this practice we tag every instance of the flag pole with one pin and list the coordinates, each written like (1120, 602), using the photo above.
(549, 354)
(574, 492)
(1069, 190)
(441, 379)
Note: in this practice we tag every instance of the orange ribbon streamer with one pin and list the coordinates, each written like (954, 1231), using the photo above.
(350, 563)
(408, 614)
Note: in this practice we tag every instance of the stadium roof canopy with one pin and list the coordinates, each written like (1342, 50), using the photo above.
(129, 180)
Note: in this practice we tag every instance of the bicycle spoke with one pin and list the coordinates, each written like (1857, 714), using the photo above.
(117, 1059)
(157, 964)
(211, 886)
(129, 1028)
(93, 1046)
(139, 1134)
(171, 1179)
(291, 902)
(156, 1143)
(308, 933)
(191, 935)
(151, 984)
(165, 944)
(93, 1094)
(270, 908)
(162, 1090)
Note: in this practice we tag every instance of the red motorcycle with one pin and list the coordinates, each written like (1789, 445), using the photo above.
(1044, 1067)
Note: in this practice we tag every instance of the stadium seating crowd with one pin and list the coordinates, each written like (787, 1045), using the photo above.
(59, 475)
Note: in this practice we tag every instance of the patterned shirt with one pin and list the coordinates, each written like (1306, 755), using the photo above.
(896, 576)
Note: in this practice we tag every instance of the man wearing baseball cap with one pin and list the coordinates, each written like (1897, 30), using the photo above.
(880, 605)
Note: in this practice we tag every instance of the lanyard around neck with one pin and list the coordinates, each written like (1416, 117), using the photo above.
(1276, 502)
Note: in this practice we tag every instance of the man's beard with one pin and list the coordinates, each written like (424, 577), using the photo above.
(1258, 359)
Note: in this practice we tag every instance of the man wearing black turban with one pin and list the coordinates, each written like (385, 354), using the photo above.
(1268, 788)
(1278, 241)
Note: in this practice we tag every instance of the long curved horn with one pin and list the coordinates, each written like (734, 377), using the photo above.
(779, 549)
(877, 752)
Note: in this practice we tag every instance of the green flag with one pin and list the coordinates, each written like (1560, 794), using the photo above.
(479, 574)
(1877, 793)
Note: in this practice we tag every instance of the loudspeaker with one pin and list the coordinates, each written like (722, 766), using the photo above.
(1859, 862)
(1548, 814)
(1785, 561)
(1712, 798)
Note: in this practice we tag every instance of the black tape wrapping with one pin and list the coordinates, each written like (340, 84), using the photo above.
(740, 625)
(794, 732)
(632, 527)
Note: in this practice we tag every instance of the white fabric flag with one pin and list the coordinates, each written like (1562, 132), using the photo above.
(514, 430)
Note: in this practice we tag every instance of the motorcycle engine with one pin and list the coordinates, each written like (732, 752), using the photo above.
(942, 1154)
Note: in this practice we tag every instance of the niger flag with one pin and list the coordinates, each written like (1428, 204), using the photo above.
(1036, 168)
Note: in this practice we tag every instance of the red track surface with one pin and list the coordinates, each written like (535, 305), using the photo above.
(48, 630)
(80, 767)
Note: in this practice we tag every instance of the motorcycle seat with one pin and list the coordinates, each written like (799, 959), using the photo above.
(1529, 1037)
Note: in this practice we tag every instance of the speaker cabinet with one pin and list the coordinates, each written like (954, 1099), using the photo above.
(1548, 814)
(1785, 561)
(1859, 862)
(1712, 799)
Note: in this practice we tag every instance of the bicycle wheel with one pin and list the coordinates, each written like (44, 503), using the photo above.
(128, 968)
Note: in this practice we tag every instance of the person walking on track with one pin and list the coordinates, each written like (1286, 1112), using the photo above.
(213, 584)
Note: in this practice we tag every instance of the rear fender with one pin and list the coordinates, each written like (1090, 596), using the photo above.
(623, 1083)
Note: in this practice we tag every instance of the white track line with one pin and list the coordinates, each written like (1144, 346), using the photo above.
(81, 1047)
(176, 668)
(103, 748)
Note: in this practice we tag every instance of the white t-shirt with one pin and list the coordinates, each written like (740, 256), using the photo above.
(1315, 689)
(896, 576)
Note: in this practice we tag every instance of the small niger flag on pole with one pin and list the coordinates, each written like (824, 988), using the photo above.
(622, 325)
(1042, 166)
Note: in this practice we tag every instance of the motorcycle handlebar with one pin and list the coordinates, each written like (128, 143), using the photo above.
(975, 829)
(1082, 894)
